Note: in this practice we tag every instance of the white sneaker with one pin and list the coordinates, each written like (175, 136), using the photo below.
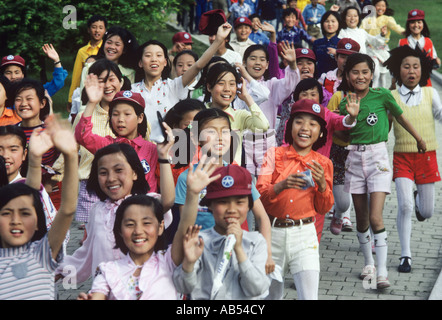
(346, 224)
(368, 271)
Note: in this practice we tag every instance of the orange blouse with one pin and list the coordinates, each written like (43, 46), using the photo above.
(295, 204)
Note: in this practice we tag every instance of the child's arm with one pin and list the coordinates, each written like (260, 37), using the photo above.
(221, 35)
(263, 222)
(421, 145)
(64, 141)
(197, 180)
(94, 89)
(59, 74)
(167, 185)
(39, 143)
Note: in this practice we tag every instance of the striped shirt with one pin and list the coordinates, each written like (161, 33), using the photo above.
(27, 272)
(51, 155)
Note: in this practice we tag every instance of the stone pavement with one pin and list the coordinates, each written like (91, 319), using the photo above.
(341, 261)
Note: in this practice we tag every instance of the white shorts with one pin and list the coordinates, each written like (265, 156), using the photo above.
(368, 169)
(295, 248)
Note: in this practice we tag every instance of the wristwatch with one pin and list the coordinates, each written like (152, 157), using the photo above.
(169, 160)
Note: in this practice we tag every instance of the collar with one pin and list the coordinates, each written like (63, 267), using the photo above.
(138, 141)
(403, 90)
(229, 110)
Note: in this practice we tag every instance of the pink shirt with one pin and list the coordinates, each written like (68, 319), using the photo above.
(99, 245)
(147, 151)
(155, 280)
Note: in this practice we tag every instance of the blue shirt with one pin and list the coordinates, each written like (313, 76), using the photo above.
(259, 38)
(204, 217)
(294, 35)
(59, 75)
(325, 61)
(240, 11)
(311, 12)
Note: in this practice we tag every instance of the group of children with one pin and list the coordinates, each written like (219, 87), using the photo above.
(213, 183)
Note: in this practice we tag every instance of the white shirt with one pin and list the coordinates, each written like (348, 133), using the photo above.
(413, 42)
(416, 98)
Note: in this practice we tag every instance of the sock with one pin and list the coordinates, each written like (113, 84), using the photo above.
(365, 245)
(380, 240)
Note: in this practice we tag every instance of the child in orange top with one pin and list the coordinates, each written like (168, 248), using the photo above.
(295, 183)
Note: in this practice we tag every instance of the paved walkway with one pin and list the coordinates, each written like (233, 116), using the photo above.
(341, 261)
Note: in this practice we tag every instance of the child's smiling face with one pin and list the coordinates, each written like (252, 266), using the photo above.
(359, 78)
(305, 132)
(12, 150)
(140, 230)
(416, 27)
(18, 222)
(214, 137)
(113, 48)
(380, 7)
(410, 72)
(224, 90)
(115, 176)
(28, 105)
(257, 64)
(290, 20)
(242, 32)
(153, 60)
(125, 121)
(97, 30)
(352, 19)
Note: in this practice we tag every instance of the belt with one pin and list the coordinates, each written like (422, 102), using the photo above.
(365, 147)
(286, 223)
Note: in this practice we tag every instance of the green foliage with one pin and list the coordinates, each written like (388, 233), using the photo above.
(26, 25)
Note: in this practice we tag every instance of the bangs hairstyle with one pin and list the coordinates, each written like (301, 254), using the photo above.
(318, 143)
(307, 84)
(216, 73)
(140, 185)
(388, 11)
(344, 16)
(127, 59)
(256, 47)
(397, 55)
(139, 75)
(141, 127)
(96, 18)
(101, 65)
(213, 60)
(189, 52)
(353, 60)
(27, 84)
(425, 31)
(20, 134)
(325, 17)
(14, 190)
(288, 11)
(142, 200)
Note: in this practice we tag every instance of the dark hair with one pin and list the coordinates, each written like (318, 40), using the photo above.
(388, 11)
(288, 11)
(141, 127)
(23, 69)
(253, 16)
(20, 134)
(27, 84)
(425, 31)
(305, 85)
(325, 17)
(344, 15)
(202, 80)
(318, 143)
(177, 112)
(140, 185)
(139, 76)
(256, 47)
(179, 54)
(14, 190)
(142, 200)
(397, 55)
(216, 72)
(127, 59)
(200, 119)
(96, 18)
(101, 65)
(353, 60)
(3, 173)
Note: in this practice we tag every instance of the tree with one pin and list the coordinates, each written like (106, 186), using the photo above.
(26, 25)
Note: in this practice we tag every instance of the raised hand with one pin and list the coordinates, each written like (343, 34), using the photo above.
(94, 88)
(39, 143)
(289, 53)
(193, 247)
(223, 31)
(61, 135)
(49, 50)
(353, 104)
(200, 177)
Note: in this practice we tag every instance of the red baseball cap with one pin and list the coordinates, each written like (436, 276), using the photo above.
(211, 20)
(12, 60)
(242, 20)
(305, 53)
(416, 14)
(347, 46)
(129, 96)
(234, 181)
(183, 37)
(309, 106)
